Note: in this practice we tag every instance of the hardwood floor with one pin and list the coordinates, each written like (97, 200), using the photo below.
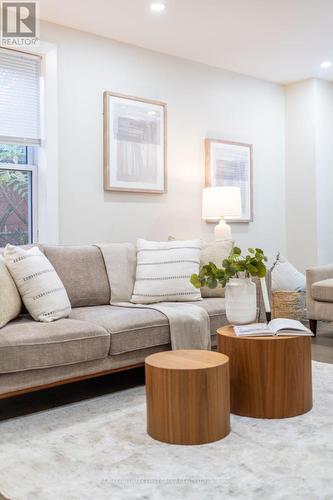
(322, 345)
(322, 350)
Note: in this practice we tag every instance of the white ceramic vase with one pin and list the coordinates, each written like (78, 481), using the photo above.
(241, 301)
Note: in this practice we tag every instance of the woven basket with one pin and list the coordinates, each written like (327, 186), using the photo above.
(289, 305)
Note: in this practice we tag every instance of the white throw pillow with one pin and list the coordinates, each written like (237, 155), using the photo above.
(164, 270)
(10, 300)
(40, 287)
(215, 251)
(286, 277)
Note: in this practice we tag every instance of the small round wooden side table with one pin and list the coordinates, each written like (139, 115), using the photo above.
(270, 377)
(188, 396)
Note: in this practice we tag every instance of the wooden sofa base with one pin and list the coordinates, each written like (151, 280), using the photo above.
(68, 381)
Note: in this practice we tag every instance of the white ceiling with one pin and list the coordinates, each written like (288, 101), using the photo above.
(277, 40)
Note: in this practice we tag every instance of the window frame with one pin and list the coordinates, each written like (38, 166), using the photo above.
(32, 152)
(33, 206)
(47, 153)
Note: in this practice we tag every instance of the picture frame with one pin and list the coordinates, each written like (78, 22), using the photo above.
(230, 163)
(135, 144)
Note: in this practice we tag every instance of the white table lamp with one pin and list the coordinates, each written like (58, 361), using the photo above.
(220, 202)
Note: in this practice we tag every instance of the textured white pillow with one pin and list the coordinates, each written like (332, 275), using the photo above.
(10, 300)
(215, 251)
(164, 269)
(40, 287)
(286, 277)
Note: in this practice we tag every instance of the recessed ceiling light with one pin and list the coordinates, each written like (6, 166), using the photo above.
(157, 6)
(326, 64)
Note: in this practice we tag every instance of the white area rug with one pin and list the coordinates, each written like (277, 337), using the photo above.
(98, 449)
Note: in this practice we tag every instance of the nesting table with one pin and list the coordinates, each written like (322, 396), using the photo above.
(270, 377)
(188, 396)
(190, 393)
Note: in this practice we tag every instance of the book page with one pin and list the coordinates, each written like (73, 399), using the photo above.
(287, 324)
(253, 328)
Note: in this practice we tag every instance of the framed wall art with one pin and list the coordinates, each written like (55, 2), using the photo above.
(230, 164)
(134, 144)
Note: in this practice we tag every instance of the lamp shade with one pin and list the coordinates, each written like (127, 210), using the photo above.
(218, 202)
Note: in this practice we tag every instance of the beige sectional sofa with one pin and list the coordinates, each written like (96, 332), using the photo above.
(96, 339)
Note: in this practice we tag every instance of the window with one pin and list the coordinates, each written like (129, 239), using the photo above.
(17, 195)
(19, 140)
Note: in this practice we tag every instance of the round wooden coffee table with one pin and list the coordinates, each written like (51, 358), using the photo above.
(270, 377)
(188, 396)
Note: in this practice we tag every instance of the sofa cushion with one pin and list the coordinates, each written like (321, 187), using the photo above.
(132, 329)
(322, 291)
(82, 271)
(26, 344)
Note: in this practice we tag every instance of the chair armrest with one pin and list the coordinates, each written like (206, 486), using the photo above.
(314, 308)
(314, 274)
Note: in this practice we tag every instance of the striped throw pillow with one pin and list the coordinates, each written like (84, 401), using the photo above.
(164, 269)
(40, 287)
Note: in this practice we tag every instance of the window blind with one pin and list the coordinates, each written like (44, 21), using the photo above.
(19, 98)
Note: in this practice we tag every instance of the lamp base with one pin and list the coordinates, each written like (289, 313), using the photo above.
(222, 231)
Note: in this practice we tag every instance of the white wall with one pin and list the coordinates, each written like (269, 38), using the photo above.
(324, 170)
(301, 210)
(309, 172)
(202, 102)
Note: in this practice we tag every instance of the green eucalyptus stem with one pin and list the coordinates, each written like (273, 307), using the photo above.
(234, 266)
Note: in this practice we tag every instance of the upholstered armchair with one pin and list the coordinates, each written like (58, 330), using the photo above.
(319, 295)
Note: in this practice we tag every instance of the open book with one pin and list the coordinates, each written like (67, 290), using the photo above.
(279, 326)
